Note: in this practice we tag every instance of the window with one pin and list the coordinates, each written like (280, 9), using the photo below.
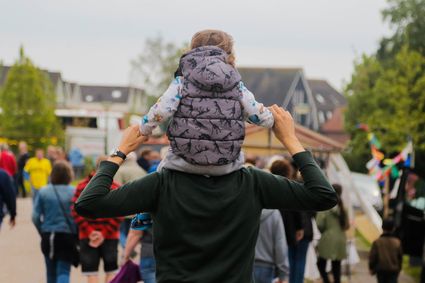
(89, 98)
(320, 98)
(116, 94)
(329, 114)
(321, 117)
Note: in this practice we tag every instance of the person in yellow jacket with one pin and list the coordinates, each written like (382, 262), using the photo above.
(37, 170)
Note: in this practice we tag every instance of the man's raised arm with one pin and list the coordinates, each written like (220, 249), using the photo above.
(98, 200)
(277, 192)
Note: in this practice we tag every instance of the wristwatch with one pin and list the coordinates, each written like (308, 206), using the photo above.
(116, 152)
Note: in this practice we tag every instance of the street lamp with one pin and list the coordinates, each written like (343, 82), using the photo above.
(106, 106)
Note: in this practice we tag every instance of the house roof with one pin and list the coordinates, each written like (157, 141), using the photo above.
(327, 98)
(53, 76)
(269, 85)
(92, 93)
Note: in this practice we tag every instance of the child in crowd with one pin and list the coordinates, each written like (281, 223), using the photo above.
(208, 105)
(385, 257)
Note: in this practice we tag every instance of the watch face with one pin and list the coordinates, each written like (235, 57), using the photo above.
(113, 152)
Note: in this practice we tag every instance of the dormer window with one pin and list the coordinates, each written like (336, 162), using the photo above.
(320, 98)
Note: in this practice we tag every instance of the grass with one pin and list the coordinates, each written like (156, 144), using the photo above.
(412, 271)
(361, 242)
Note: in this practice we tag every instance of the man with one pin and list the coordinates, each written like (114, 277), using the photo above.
(8, 161)
(22, 160)
(98, 238)
(38, 171)
(271, 250)
(205, 228)
(7, 197)
(76, 158)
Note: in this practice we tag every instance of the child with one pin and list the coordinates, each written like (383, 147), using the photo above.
(385, 257)
(208, 105)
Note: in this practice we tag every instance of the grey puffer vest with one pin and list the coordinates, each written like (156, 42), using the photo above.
(208, 127)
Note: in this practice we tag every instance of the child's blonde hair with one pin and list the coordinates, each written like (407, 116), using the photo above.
(217, 38)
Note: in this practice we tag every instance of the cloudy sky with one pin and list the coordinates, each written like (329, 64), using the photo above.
(93, 41)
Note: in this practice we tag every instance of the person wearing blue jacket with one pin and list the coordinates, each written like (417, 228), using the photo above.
(52, 217)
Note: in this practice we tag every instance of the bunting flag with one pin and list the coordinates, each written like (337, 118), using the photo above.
(373, 141)
(380, 167)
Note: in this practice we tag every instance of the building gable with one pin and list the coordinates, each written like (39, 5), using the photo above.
(269, 85)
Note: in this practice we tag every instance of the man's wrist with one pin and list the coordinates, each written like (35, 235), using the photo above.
(293, 145)
(115, 159)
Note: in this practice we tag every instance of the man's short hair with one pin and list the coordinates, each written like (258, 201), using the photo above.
(282, 167)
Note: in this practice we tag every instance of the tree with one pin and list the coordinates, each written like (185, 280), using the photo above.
(390, 98)
(407, 17)
(28, 103)
(387, 88)
(154, 68)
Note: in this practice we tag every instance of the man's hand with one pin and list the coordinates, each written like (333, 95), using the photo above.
(284, 129)
(299, 234)
(131, 139)
(96, 239)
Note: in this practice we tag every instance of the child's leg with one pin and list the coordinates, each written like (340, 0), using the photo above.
(174, 162)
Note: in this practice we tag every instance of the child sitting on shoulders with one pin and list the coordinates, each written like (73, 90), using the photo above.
(208, 105)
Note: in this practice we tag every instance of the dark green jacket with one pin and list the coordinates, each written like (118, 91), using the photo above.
(206, 227)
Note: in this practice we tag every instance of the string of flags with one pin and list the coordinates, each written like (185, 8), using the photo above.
(380, 167)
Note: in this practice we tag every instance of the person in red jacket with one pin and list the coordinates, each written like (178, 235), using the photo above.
(8, 161)
(98, 238)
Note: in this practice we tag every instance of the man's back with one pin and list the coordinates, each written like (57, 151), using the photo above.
(206, 228)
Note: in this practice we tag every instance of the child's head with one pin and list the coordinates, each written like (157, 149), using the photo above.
(388, 225)
(211, 37)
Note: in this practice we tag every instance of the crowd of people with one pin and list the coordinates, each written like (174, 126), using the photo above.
(216, 217)
(282, 243)
(282, 234)
(61, 229)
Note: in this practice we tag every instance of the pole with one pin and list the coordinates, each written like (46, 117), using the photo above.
(386, 197)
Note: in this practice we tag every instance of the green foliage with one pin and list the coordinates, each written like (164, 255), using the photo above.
(390, 99)
(154, 68)
(28, 103)
(407, 17)
(387, 90)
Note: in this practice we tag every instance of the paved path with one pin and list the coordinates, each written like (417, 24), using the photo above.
(21, 260)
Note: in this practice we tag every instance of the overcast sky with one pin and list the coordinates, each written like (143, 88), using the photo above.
(93, 41)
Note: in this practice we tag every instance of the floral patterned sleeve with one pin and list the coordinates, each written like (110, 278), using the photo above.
(254, 112)
(163, 109)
